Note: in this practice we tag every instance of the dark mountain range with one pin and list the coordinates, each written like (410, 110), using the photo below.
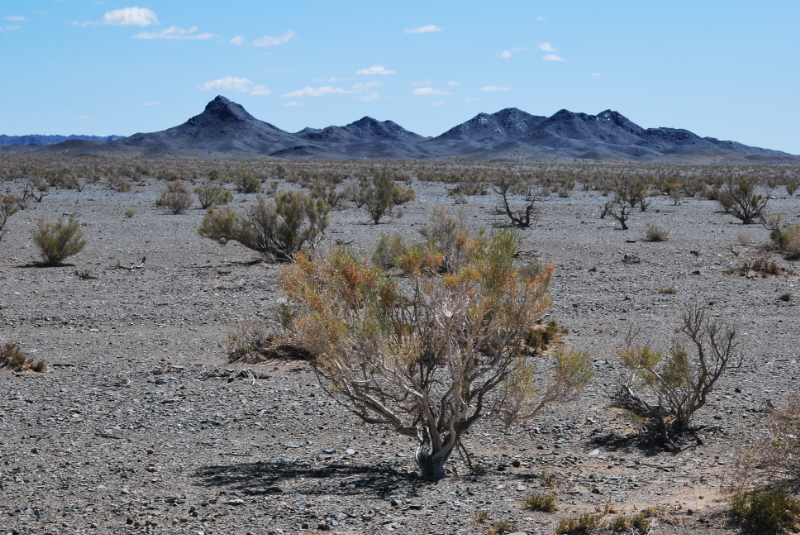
(35, 139)
(226, 129)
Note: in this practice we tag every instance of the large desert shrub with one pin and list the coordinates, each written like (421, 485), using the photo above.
(666, 390)
(277, 229)
(379, 194)
(58, 241)
(212, 194)
(176, 197)
(9, 205)
(433, 355)
(741, 201)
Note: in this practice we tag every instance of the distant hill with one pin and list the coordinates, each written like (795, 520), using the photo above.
(226, 129)
(35, 139)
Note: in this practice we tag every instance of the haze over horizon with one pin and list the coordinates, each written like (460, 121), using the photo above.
(720, 69)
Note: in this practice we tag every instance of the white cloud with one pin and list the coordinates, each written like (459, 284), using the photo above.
(552, 57)
(451, 83)
(471, 99)
(371, 96)
(15, 18)
(541, 18)
(232, 83)
(376, 69)
(440, 103)
(429, 91)
(238, 40)
(333, 79)
(312, 92)
(293, 103)
(11, 28)
(423, 29)
(493, 88)
(268, 40)
(595, 74)
(175, 33)
(547, 47)
(505, 54)
(130, 16)
(150, 104)
(361, 87)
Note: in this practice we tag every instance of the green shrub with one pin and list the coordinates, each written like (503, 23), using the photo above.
(540, 338)
(501, 527)
(378, 194)
(767, 511)
(388, 250)
(541, 502)
(247, 183)
(57, 241)
(175, 197)
(787, 239)
(11, 356)
(130, 212)
(212, 194)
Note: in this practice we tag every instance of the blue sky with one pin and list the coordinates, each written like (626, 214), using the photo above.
(726, 69)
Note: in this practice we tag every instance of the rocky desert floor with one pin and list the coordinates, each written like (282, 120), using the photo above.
(135, 426)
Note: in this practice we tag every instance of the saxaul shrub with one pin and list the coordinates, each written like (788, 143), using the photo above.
(58, 241)
(120, 184)
(9, 205)
(277, 230)
(212, 194)
(431, 357)
(175, 198)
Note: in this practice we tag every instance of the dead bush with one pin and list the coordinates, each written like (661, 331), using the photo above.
(277, 230)
(11, 356)
(9, 205)
(507, 185)
(251, 342)
(656, 233)
(665, 391)
(176, 198)
(58, 241)
(618, 209)
(432, 356)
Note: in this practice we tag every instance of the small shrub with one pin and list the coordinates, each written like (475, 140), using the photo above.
(57, 241)
(247, 339)
(745, 238)
(9, 205)
(759, 266)
(501, 527)
(768, 511)
(741, 201)
(785, 297)
(378, 194)
(11, 356)
(541, 502)
(175, 198)
(119, 184)
(656, 233)
(130, 212)
(578, 525)
(791, 187)
(539, 339)
(669, 291)
(388, 250)
(212, 194)
(247, 183)
(787, 239)
(548, 479)
(481, 516)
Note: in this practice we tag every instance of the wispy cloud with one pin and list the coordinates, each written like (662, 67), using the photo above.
(292, 103)
(552, 57)
(363, 86)
(493, 88)
(376, 69)
(471, 99)
(452, 83)
(505, 54)
(175, 33)
(17, 27)
(423, 29)
(333, 79)
(20, 19)
(596, 74)
(547, 47)
(130, 16)
(151, 104)
(541, 18)
(429, 91)
(232, 83)
(238, 40)
(440, 103)
(315, 92)
(269, 40)
(371, 96)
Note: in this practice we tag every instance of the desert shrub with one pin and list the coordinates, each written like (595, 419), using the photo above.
(786, 239)
(58, 241)
(656, 233)
(120, 184)
(666, 391)
(378, 194)
(579, 525)
(176, 198)
(501, 527)
(524, 216)
(212, 194)
(247, 183)
(450, 237)
(440, 351)
(668, 291)
(11, 356)
(766, 511)
(742, 202)
(539, 338)
(541, 502)
(548, 480)
(482, 516)
(618, 209)
(639, 523)
(745, 238)
(277, 230)
(791, 187)
(759, 266)
(388, 250)
(9, 205)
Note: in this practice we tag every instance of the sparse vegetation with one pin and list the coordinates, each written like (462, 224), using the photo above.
(741, 201)
(12, 356)
(540, 338)
(277, 230)
(247, 183)
(175, 198)
(618, 209)
(501, 527)
(9, 205)
(785, 238)
(541, 502)
(766, 511)
(656, 232)
(130, 212)
(579, 525)
(668, 291)
(547, 478)
(379, 194)
(212, 194)
(58, 241)
(120, 184)
(759, 266)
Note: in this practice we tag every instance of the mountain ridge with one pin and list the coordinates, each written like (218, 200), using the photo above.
(226, 128)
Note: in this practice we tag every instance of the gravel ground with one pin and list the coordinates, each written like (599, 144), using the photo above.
(126, 433)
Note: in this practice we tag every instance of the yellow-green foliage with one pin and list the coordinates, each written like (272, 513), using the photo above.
(768, 511)
(578, 525)
(540, 338)
(11, 356)
(541, 502)
(57, 241)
